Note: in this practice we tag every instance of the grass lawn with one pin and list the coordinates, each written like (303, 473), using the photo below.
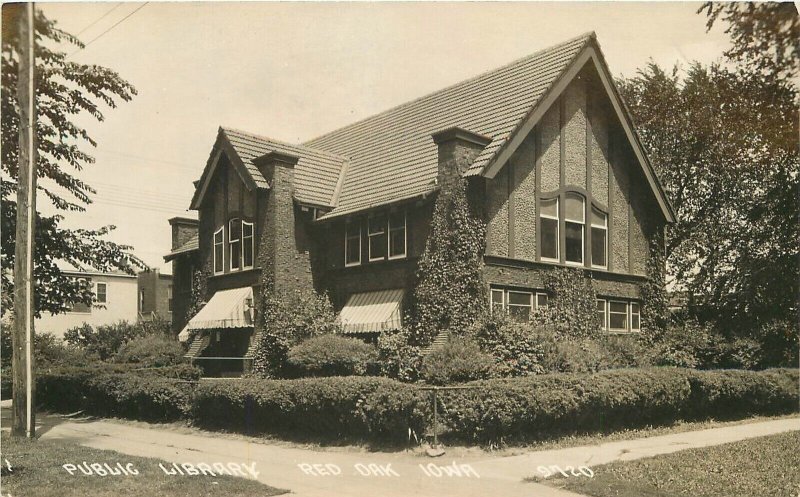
(764, 466)
(37, 471)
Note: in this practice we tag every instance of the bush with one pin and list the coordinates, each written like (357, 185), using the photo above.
(331, 355)
(106, 340)
(537, 407)
(397, 358)
(518, 349)
(456, 361)
(780, 346)
(151, 351)
(322, 408)
(47, 350)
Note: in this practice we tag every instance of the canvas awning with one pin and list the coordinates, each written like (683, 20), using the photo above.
(372, 311)
(226, 309)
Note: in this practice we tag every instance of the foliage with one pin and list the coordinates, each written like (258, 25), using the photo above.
(105, 340)
(151, 351)
(655, 302)
(780, 344)
(286, 319)
(458, 360)
(518, 349)
(571, 309)
(450, 294)
(764, 35)
(47, 350)
(397, 358)
(724, 143)
(66, 91)
(327, 408)
(537, 407)
(199, 291)
(331, 355)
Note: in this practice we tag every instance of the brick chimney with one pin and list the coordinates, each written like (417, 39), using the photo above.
(457, 150)
(183, 229)
(285, 236)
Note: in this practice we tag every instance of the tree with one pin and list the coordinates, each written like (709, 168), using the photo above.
(64, 89)
(450, 294)
(724, 142)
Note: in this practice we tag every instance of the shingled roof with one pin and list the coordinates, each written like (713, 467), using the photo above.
(317, 173)
(392, 155)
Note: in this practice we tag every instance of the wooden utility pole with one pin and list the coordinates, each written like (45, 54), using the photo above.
(23, 419)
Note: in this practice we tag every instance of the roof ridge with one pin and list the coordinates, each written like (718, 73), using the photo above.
(282, 142)
(586, 36)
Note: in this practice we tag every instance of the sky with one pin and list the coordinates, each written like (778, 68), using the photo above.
(293, 71)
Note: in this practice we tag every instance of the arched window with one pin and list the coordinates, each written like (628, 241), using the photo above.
(574, 227)
(599, 238)
(548, 221)
(235, 243)
(247, 244)
(219, 250)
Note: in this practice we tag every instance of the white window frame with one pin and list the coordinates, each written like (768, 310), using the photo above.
(583, 228)
(504, 304)
(252, 244)
(604, 324)
(638, 316)
(105, 292)
(536, 296)
(627, 316)
(389, 237)
(347, 244)
(384, 232)
(231, 241)
(542, 215)
(605, 247)
(220, 232)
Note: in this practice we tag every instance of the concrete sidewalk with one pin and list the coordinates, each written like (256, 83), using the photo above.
(384, 474)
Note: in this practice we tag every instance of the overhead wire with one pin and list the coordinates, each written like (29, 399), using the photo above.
(112, 9)
(107, 30)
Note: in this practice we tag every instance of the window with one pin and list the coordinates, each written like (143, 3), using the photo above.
(635, 317)
(599, 238)
(548, 220)
(219, 250)
(101, 294)
(141, 301)
(352, 244)
(397, 235)
(618, 316)
(518, 303)
(235, 242)
(601, 314)
(574, 225)
(376, 232)
(247, 244)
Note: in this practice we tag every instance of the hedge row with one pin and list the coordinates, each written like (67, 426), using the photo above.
(379, 409)
(327, 408)
(543, 406)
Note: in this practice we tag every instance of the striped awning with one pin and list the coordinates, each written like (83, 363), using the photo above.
(226, 309)
(372, 311)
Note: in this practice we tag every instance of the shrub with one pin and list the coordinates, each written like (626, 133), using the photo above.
(571, 309)
(780, 344)
(458, 360)
(106, 340)
(545, 406)
(397, 358)
(518, 349)
(686, 345)
(331, 355)
(151, 351)
(47, 350)
(323, 408)
(286, 320)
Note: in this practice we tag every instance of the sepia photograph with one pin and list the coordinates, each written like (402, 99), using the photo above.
(366, 249)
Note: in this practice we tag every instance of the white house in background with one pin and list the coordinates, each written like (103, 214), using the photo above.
(117, 299)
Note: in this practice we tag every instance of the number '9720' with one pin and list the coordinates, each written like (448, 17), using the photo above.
(567, 471)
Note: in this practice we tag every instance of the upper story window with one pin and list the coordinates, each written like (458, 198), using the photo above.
(352, 243)
(548, 222)
(377, 237)
(574, 228)
(518, 303)
(248, 244)
(102, 293)
(397, 235)
(599, 238)
(235, 243)
(219, 250)
(169, 298)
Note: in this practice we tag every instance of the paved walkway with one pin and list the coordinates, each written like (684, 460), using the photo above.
(390, 474)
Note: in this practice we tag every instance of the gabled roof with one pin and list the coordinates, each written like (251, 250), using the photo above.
(190, 245)
(317, 173)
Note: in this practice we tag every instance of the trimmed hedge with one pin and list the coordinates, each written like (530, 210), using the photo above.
(380, 409)
(326, 408)
(540, 407)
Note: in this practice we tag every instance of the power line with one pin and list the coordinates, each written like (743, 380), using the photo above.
(107, 30)
(112, 9)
